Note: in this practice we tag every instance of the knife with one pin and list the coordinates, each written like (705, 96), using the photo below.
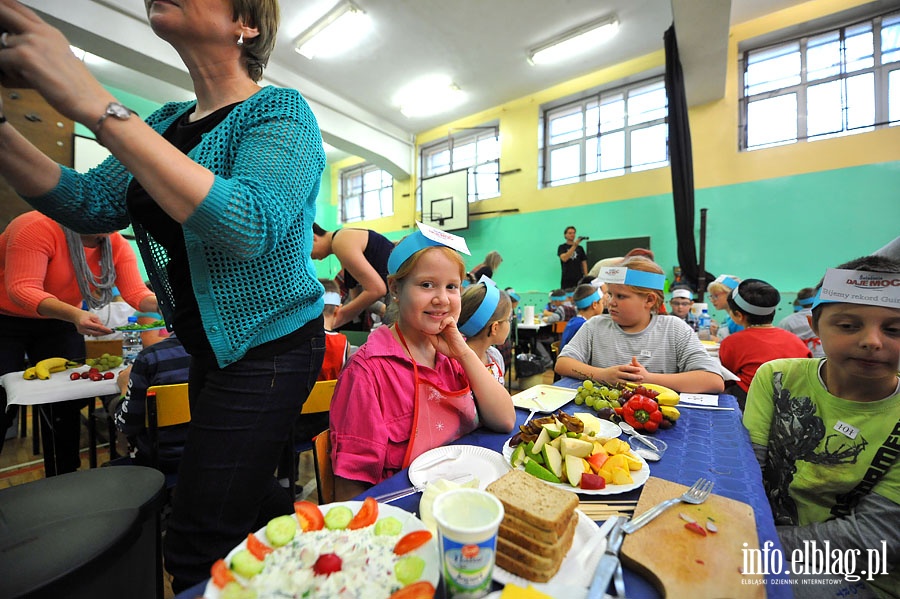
(608, 564)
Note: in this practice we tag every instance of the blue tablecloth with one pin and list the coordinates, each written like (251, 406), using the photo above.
(708, 443)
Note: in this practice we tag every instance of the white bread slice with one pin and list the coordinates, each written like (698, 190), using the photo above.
(522, 534)
(534, 501)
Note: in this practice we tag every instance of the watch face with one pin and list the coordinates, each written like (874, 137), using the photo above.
(118, 111)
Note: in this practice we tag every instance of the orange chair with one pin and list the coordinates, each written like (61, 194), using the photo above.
(324, 471)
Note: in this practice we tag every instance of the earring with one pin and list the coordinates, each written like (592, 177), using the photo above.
(240, 41)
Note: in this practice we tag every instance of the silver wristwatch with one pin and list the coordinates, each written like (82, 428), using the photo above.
(115, 110)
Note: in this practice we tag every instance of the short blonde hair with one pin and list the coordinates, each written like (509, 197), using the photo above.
(646, 265)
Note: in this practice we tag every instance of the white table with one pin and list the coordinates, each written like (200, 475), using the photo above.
(59, 387)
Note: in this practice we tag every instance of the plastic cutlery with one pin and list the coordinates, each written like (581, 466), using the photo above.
(631, 431)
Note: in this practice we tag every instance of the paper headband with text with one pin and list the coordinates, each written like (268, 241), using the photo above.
(749, 308)
(331, 298)
(586, 302)
(859, 287)
(425, 237)
(636, 278)
(485, 310)
(682, 294)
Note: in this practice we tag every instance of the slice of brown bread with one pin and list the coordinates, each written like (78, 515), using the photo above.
(534, 539)
(513, 539)
(529, 566)
(534, 501)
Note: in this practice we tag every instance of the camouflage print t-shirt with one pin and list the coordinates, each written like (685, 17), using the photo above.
(821, 449)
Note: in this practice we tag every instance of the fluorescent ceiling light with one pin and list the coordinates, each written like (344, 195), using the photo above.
(339, 30)
(575, 41)
(429, 95)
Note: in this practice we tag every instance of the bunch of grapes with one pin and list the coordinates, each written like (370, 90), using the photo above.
(105, 362)
(599, 397)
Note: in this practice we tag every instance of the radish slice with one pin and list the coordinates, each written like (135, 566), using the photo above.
(711, 527)
(686, 518)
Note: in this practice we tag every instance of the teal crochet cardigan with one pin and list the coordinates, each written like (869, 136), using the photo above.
(249, 241)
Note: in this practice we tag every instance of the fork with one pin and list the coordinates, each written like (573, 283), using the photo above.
(395, 495)
(698, 493)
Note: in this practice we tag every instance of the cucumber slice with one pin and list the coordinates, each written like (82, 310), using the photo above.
(245, 564)
(338, 517)
(281, 530)
(234, 590)
(408, 569)
(388, 527)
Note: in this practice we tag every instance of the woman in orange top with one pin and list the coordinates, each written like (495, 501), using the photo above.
(41, 292)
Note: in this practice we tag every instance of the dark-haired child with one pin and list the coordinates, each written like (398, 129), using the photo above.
(826, 433)
(752, 306)
(589, 303)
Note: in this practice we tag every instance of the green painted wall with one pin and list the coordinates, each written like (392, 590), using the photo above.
(786, 231)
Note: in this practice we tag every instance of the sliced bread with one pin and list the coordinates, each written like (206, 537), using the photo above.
(529, 566)
(515, 545)
(534, 501)
(538, 541)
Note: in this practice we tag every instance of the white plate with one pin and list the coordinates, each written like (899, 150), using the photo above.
(452, 460)
(638, 476)
(573, 577)
(607, 430)
(429, 551)
(543, 398)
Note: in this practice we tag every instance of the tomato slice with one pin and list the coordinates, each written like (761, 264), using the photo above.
(257, 548)
(309, 515)
(412, 541)
(366, 516)
(417, 590)
(220, 573)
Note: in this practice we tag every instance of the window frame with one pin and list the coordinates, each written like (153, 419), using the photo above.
(476, 170)
(361, 171)
(880, 71)
(592, 101)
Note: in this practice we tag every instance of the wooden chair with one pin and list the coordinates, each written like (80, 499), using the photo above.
(318, 402)
(324, 472)
(167, 405)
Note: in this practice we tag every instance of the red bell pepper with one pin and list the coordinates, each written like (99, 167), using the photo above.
(642, 413)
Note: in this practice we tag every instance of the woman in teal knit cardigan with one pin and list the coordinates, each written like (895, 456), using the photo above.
(221, 195)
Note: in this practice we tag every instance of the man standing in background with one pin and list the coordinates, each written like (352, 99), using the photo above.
(573, 259)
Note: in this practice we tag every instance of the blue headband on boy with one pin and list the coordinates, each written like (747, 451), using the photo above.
(557, 298)
(817, 299)
(514, 296)
(728, 281)
(586, 302)
(485, 310)
(636, 278)
(332, 298)
(411, 244)
(806, 302)
(751, 308)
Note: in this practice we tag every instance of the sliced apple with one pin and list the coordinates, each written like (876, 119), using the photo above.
(576, 447)
(543, 438)
(552, 460)
(574, 470)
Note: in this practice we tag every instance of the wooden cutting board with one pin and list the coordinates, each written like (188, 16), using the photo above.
(681, 563)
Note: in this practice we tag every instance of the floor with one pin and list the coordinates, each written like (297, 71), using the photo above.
(19, 465)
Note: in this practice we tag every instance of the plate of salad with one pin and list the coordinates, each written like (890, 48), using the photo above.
(346, 549)
(150, 326)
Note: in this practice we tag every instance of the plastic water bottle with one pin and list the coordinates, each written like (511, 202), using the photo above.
(131, 343)
(703, 325)
(519, 314)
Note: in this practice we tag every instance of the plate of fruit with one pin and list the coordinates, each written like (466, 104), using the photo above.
(350, 548)
(566, 454)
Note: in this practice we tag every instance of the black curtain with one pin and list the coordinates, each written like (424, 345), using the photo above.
(681, 160)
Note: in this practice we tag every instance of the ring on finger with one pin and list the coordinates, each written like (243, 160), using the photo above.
(3, 43)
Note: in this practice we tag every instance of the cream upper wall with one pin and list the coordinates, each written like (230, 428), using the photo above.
(714, 131)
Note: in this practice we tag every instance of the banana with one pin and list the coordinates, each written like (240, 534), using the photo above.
(29, 374)
(670, 412)
(45, 367)
(666, 397)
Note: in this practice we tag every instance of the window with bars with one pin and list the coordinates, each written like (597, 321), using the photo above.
(476, 150)
(607, 134)
(367, 192)
(838, 82)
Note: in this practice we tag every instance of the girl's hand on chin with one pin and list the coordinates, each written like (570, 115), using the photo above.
(449, 341)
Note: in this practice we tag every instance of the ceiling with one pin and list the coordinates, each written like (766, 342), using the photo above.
(480, 44)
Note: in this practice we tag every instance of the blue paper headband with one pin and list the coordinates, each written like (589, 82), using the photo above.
(641, 278)
(751, 308)
(817, 299)
(514, 296)
(729, 282)
(586, 302)
(332, 298)
(806, 302)
(483, 314)
(557, 298)
(410, 244)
